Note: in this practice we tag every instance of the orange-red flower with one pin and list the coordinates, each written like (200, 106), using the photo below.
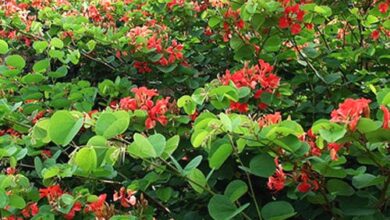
(277, 181)
(350, 111)
(126, 197)
(386, 117)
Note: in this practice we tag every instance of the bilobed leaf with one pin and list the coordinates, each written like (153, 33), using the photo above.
(170, 147)
(197, 180)
(262, 165)
(111, 124)
(235, 190)
(16, 61)
(86, 159)
(63, 127)
(141, 147)
(221, 208)
(3, 47)
(194, 163)
(277, 210)
(219, 155)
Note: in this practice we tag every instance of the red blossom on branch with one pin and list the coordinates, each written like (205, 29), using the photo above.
(350, 111)
(277, 181)
(386, 117)
(126, 197)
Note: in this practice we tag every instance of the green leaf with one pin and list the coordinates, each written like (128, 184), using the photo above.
(3, 47)
(262, 165)
(3, 199)
(41, 66)
(111, 124)
(16, 201)
(32, 78)
(56, 42)
(198, 180)
(218, 155)
(170, 147)
(50, 172)
(194, 163)
(141, 147)
(323, 10)
(332, 132)
(227, 123)
(40, 46)
(213, 21)
(339, 188)
(158, 142)
(366, 180)
(235, 190)
(16, 61)
(86, 159)
(277, 210)
(187, 103)
(198, 137)
(63, 127)
(221, 208)
(273, 43)
(366, 125)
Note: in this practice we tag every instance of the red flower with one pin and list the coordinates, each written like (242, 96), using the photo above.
(295, 29)
(51, 192)
(126, 198)
(30, 210)
(284, 22)
(97, 207)
(269, 119)
(383, 7)
(142, 67)
(10, 171)
(350, 111)
(375, 35)
(240, 107)
(277, 181)
(304, 187)
(240, 24)
(46, 154)
(128, 104)
(386, 117)
(76, 208)
(334, 148)
(252, 76)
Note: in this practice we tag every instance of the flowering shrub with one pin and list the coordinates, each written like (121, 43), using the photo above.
(194, 109)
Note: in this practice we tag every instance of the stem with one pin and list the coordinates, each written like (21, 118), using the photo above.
(308, 61)
(248, 178)
(382, 198)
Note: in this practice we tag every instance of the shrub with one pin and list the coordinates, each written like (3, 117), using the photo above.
(174, 109)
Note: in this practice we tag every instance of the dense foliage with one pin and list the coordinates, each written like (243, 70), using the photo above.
(194, 109)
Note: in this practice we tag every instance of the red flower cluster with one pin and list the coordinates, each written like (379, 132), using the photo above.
(311, 140)
(375, 35)
(306, 183)
(142, 67)
(269, 119)
(126, 197)
(174, 53)
(51, 192)
(11, 132)
(234, 17)
(251, 77)
(172, 3)
(383, 7)
(240, 107)
(292, 17)
(30, 210)
(76, 208)
(97, 207)
(143, 100)
(350, 111)
(277, 181)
